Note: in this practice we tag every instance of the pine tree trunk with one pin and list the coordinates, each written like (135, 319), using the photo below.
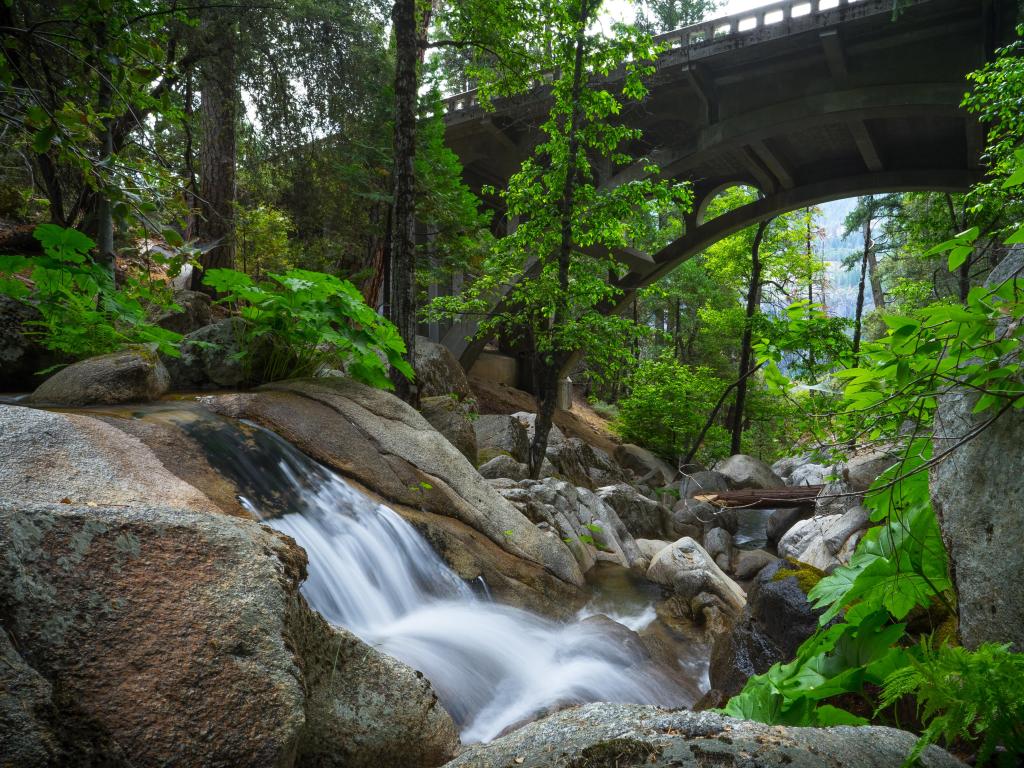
(746, 345)
(218, 84)
(401, 301)
(858, 319)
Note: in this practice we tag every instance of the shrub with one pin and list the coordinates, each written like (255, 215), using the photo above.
(310, 321)
(83, 313)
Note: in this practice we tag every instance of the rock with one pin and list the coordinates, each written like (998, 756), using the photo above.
(577, 515)
(776, 620)
(835, 499)
(781, 520)
(132, 375)
(786, 466)
(209, 358)
(810, 474)
(192, 625)
(642, 516)
(649, 548)
(624, 735)
(27, 713)
(373, 437)
(818, 540)
(750, 562)
(501, 435)
(718, 544)
(454, 419)
(645, 465)
(574, 460)
(695, 518)
(193, 315)
(504, 466)
(690, 572)
(703, 481)
(978, 495)
(21, 354)
(742, 471)
(438, 372)
(862, 470)
(529, 420)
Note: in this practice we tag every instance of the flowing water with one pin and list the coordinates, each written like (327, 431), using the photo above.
(492, 666)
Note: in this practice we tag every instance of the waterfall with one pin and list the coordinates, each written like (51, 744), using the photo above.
(492, 666)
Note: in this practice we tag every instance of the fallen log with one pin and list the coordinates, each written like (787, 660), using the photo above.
(763, 498)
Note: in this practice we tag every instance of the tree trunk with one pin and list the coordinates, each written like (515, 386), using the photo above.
(810, 293)
(746, 345)
(547, 393)
(858, 319)
(218, 83)
(401, 301)
(876, 281)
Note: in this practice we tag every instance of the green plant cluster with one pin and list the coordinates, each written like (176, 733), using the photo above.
(301, 322)
(82, 312)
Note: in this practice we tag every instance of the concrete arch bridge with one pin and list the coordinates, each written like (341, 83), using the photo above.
(806, 100)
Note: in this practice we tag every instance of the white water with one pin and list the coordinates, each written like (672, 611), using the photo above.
(492, 666)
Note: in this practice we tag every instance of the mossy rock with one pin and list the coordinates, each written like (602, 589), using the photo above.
(807, 576)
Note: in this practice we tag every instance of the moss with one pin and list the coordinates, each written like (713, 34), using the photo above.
(486, 454)
(946, 632)
(807, 576)
(615, 753)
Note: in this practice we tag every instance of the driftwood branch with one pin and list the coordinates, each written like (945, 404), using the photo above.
(763, 498)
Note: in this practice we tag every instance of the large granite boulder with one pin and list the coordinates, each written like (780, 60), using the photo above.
(696, 581)
(702, 481)
(695, 518)
(500, 435)
(643, 517)
(132, 375)
(776, 620)
(211, 358)
(635, 735)
(504, 466)
(438, 372)
(371, 436)
(647, 467)
(454, 419)
(583, 465)
(29, 735)
(825, 542)
(978, 495)
(742, 471)
(863, 469)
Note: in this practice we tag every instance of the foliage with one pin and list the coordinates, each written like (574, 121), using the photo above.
(301, 322)
(669, 15)
(261, 239)
(978, 696)
(666, 407)
(82, 312)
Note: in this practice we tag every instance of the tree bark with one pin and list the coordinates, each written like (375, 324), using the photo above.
(401, 301)
(858, 319)
(767, 498)
(547, 392)
(218, 83)
(746, 345)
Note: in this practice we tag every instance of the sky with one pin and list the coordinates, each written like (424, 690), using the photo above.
(622, 10)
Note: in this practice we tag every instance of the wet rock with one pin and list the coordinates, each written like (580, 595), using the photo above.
(454, 419)
(194, 313)
(776, 620)
(373, 437)
(742, 471)
(645, 465)
(642, 516)
(133, 375)
(610, 735)
(498, 435)
(192, 625)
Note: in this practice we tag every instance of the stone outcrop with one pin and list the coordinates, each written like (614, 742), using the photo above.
(647, 467)
(453, 418)
(133, 375)
(500, 435)
(438, 372)
(742, 471)
(643, 517)
(776, 620)
(610, 735)
(381, 442)
(591, 529)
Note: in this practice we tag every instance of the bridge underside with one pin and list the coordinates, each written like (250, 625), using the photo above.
(836, 103)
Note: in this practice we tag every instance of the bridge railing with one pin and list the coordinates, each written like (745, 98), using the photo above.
(706, 32)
